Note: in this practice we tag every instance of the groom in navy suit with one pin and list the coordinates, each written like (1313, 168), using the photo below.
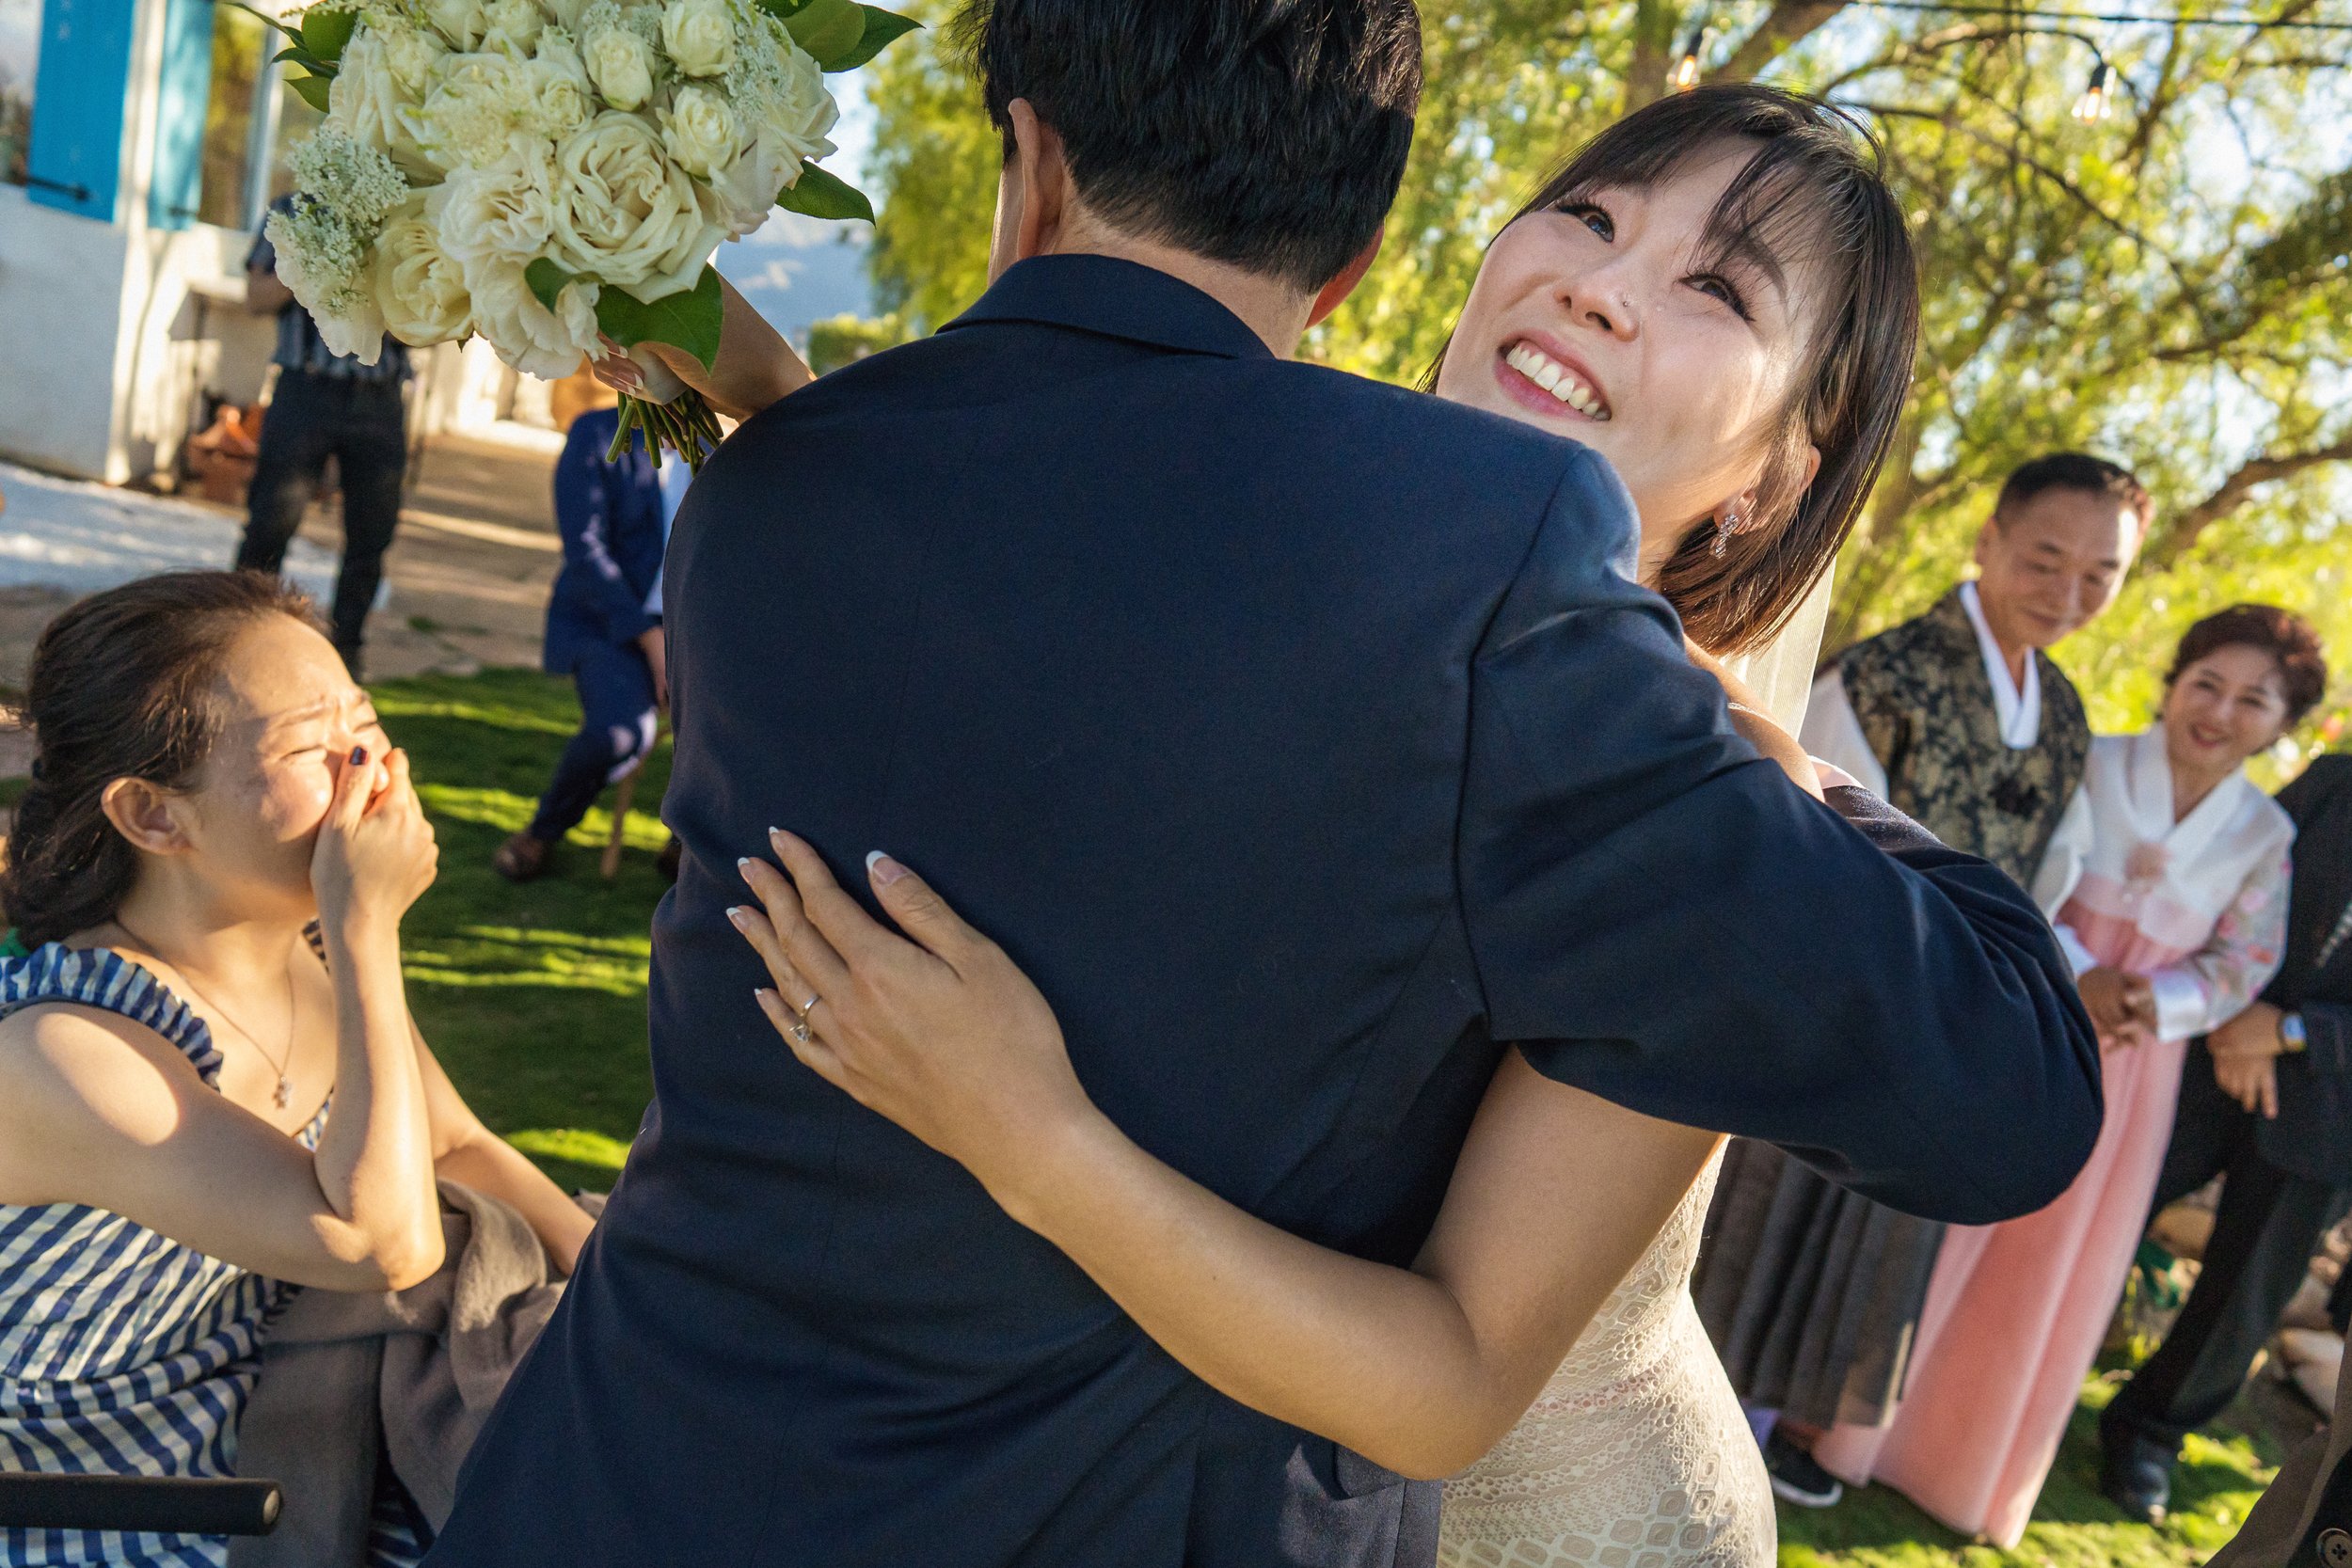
(1306, 740)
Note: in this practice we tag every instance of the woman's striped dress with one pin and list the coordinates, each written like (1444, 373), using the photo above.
(121, 1353)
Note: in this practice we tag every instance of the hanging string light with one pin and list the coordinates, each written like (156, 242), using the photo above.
(1686, 71)
(2097, 100)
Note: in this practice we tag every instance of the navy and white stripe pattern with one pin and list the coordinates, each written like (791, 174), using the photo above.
(121, 1352)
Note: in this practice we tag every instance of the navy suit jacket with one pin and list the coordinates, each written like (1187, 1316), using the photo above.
(2312, 1135)
(1304, 739)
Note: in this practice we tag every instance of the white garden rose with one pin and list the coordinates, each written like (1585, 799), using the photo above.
(620, 64)
(699, 36)
(461, 21)
(699, 128)
(789, 110)
(469, 115)
(625, 214)
(419, 288)
(527, 334)
(512, 27)
(502, 211)
(365, 99)
(559, 99)
(410, 53)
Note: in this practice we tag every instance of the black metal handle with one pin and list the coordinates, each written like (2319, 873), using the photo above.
(78, 192)
(167, 1505)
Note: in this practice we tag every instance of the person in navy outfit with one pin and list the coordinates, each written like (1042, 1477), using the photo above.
(604, 629)
(1311, 743)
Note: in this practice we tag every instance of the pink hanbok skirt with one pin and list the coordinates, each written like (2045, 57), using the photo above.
(2014, 1317)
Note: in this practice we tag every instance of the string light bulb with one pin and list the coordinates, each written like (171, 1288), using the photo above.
(1685, 74)
(2097, 100)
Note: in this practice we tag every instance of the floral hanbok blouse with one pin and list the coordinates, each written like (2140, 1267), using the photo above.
(2198, 906)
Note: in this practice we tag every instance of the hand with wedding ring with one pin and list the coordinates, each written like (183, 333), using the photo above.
(944, 1034)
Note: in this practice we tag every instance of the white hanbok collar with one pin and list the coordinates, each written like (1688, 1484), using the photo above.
(2150, 776)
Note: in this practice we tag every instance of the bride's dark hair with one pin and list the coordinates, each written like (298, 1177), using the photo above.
(1813, 201)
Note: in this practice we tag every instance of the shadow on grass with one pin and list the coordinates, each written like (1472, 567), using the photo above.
(532, 996)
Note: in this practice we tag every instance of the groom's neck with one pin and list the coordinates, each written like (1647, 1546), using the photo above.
(1274, 310)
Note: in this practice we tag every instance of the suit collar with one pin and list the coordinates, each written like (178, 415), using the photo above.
(1117, 299)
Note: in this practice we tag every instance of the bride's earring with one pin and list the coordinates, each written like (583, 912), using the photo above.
(1725, 526)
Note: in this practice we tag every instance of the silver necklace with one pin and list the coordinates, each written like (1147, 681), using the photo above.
(282, 1065)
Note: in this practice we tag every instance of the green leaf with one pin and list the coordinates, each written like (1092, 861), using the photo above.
(783, 10)
(311, 90)
(828, 29)
(819, 195)
(296, 55)
(325, 32)
(548, 280)
(882, 29)
(689, 320)
(262, 17)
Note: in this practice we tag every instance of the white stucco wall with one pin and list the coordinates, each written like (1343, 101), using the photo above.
(61, 289)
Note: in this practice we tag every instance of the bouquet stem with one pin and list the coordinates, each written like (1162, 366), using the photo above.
(685, 424)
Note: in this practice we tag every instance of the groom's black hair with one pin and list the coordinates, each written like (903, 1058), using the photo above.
(1267, 133)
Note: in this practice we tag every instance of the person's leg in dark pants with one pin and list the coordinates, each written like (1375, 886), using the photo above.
(617, 729)
(2263, 1234)
(372, 446)
(298, 434)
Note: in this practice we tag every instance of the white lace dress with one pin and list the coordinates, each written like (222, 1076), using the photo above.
(1636, 1454)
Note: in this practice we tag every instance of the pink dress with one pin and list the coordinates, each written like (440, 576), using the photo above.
(2016, 1311)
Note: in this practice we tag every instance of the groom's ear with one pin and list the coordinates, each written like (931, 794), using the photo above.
(1336, 291)
(1033, 200)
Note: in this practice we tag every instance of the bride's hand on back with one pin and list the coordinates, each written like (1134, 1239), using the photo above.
(753, 367)
(947, 1038)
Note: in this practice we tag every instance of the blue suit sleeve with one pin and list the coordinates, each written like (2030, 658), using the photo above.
(1659, 916)
(586, 512)
(2328, 1027)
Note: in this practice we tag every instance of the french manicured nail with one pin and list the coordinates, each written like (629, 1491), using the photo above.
(766, 998)
(735, 914)
(744, 865)
(884, 869)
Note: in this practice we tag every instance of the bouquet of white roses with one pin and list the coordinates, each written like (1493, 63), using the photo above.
(544, 173)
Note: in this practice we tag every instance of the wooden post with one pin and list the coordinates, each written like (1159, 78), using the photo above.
(621, 798)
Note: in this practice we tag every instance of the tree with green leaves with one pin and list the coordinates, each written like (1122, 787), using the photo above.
(2166, 285)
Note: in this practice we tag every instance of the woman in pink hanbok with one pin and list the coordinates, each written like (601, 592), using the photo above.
(2166, 882)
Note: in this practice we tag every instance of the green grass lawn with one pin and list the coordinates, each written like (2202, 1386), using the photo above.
(2074, 1527)
(535, 999)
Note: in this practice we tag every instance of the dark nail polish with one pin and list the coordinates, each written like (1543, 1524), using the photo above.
(358, 756)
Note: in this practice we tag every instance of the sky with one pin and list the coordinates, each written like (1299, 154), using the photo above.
(797, 270)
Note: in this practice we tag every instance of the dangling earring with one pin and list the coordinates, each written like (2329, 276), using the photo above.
(1725, 526)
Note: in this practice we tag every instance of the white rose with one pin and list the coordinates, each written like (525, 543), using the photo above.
(502, 211)
(527, 334)
(699, 35)
(409, 52)
(560, 100)
(512, 27)
(365, 99)
(461, 21)
(565, 13)
(621, 65)
(625, 213)
(419, 288)
(798, 107)
(469, 117)
(700, 131)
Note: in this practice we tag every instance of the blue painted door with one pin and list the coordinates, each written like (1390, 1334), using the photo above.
(181, 99)
(75, 158)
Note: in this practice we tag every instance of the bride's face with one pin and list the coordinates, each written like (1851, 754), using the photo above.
(1611, 320)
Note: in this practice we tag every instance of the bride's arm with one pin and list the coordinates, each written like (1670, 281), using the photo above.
(1555, 1196)
(753, 367)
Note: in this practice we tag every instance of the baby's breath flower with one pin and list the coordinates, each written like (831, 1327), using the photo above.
(350, 180)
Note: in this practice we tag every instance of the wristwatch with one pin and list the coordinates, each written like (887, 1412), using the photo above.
(2292, 1036)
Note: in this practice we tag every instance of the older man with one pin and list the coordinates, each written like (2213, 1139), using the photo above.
(1959, 718)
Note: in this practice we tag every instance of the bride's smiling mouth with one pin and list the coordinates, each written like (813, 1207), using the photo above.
(1549, 383)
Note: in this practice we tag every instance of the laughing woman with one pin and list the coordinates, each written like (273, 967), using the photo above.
(1717, 295)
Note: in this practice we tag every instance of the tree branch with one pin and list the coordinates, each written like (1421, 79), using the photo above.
(1790, 21)
(2180, 532)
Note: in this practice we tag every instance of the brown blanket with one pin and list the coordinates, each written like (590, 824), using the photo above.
(351, 1380)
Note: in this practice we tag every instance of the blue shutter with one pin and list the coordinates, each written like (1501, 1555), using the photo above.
(78, 92)
(182, 98)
